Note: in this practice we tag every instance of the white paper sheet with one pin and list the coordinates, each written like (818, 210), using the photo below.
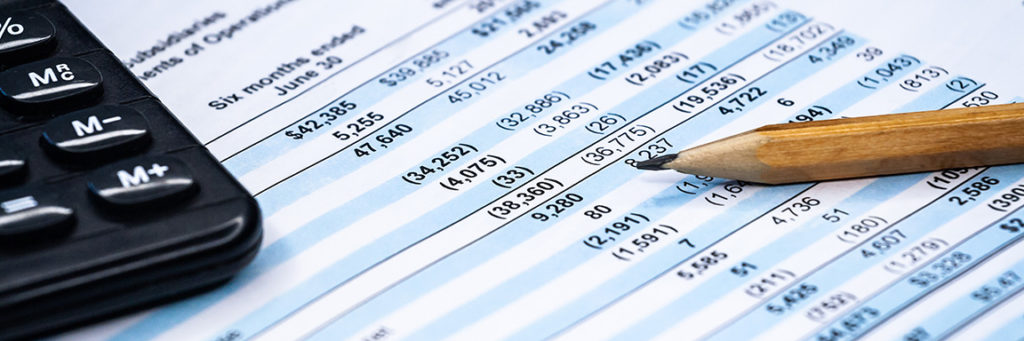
(462, 169)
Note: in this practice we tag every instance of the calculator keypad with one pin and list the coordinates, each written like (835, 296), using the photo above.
(107, 203)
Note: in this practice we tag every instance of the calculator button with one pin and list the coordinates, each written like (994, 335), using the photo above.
(141, 181)
(57, 80)
(12, 165)
(32, 214)
(101, 132)
(24, 35)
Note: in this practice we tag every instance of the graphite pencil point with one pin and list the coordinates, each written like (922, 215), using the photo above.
(656, 163)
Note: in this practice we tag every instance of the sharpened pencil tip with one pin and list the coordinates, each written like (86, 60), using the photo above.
(656, 163)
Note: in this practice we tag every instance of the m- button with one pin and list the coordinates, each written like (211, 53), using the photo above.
(142, 181)
(98, 133)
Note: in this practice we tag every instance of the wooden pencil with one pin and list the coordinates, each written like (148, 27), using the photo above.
(859, 147)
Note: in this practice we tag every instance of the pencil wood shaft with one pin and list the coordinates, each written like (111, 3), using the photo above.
(864, 146)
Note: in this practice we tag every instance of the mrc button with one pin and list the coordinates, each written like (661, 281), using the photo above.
(49, 82)
(25, 36)
(32, 214)
(102, 132)
(142, 181)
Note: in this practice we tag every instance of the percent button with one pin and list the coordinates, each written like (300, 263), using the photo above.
(25, 36)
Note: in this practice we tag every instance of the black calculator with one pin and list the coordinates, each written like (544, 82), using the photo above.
(107, 203)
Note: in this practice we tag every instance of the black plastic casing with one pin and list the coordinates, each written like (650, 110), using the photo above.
(112, 260)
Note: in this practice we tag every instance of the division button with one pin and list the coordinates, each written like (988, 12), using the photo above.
(50, 82)
(33, 214)
(24, 36)
(12, 165)
(102, 132)
(142, 181)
